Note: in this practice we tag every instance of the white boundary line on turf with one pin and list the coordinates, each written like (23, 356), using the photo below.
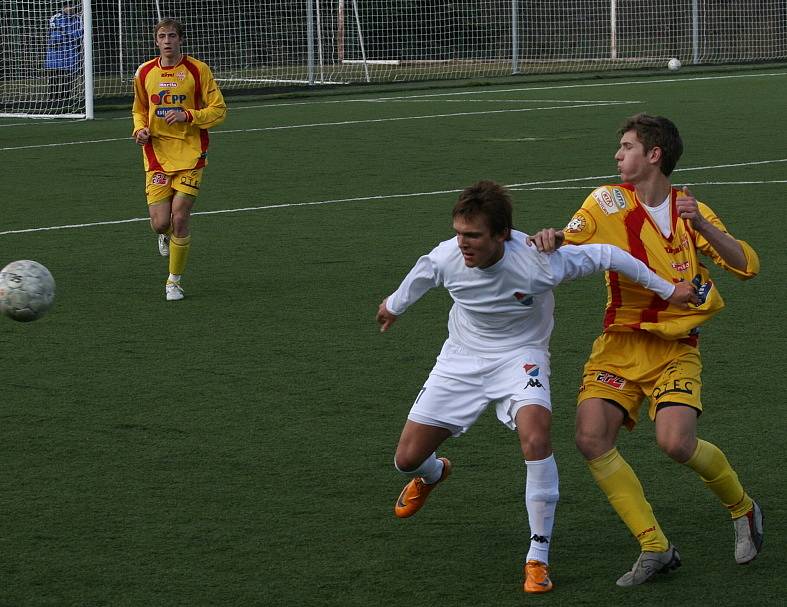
(509, 90)
(650, 80)
(342, 123)
(532, 185)
(400, 118)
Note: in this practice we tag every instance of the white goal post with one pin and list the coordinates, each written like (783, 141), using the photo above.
(56, 61)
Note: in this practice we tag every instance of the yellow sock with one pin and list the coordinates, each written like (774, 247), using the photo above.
(711, 464)
(178, 253)
(623, 490)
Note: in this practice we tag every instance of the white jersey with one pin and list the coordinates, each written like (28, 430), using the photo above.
(510, 305)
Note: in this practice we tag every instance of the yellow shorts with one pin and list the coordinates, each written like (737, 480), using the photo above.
(160, 185)
(627, 367)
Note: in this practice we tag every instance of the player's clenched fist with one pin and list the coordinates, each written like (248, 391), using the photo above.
(142, 136)
(688, 208)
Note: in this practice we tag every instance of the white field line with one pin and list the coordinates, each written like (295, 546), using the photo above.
(484, 91)
(552, 184)
(340, 123)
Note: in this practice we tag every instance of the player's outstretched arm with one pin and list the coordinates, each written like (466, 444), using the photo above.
(546, 240)
(384, 316)
(570, 263)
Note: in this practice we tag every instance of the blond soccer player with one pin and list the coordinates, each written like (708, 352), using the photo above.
(176, 101)
(650, 349)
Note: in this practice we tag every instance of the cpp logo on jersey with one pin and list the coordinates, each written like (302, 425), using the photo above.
(531, 369)
(524, 299)
(165, 97)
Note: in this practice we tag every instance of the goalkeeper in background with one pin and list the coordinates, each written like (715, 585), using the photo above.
(176, 101)
(650, 349)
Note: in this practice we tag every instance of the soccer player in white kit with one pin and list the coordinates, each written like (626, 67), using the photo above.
(497, 350)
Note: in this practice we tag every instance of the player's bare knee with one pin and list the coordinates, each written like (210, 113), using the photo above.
(535, 445)
(678, 447)
(405, 461)
(590, 444)
(160, 226)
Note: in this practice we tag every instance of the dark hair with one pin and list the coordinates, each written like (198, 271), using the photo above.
(490, 200)
(660, 132)
(169, 22)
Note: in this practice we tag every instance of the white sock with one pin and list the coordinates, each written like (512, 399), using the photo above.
(431, 469)
(174, 278)
(541, 495)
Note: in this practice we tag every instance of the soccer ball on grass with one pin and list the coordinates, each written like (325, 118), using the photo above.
(674, 64)
(27, 290)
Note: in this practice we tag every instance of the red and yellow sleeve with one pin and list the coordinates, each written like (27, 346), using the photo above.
(212, 109)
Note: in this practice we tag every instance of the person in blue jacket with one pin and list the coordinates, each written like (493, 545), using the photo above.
(64, 53)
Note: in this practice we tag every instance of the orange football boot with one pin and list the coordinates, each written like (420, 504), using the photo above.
(413, 496)
(537, 577)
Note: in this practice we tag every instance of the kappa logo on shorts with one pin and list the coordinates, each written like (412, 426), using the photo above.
(534, 383)
(531, 369)
(605, 377)
(160, 179)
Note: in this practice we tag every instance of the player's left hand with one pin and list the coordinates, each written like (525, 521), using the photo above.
(688, 208)
(173, 116)
(384, 317)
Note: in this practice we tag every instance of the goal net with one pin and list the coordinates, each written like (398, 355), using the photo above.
(260, 45)
(46, 52)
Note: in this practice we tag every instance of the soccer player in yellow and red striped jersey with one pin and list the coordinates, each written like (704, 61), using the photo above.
(176, 101)
(649, 348)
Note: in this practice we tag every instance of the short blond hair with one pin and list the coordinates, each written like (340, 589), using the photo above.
(176, 25)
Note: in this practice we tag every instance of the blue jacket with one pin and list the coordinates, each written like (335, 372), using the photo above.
(64, 45)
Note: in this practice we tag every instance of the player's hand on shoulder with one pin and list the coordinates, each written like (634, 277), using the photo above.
(688, 208)
(546, 240)
(384, 317)
(685, 293)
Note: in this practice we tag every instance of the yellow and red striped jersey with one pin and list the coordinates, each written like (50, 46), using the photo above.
(188, 86)
(613, 215)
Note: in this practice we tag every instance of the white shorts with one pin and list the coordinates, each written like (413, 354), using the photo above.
(462, 384)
